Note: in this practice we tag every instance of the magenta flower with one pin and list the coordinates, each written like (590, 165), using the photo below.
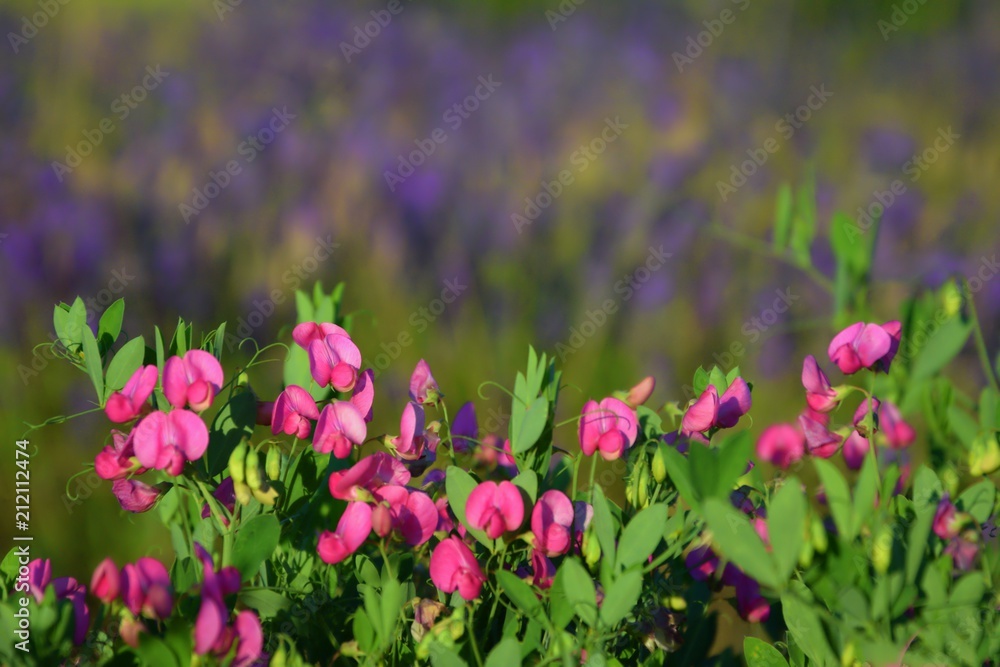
(249, 639)
(225, 493)
(306, 332)
(210, 631)
(552, 523)
(711, 410)
(897, 432)
(125, 405)
(105, 583)
(750, 604)
(366, 475)
(352, 530)
(464, 428)
(135, 496)
(609, 426)
(39, 577)
(446, 523)
(423, 386)
(341, 426)
(495, 508)
(335, 361)
(118, 461)
(863, 345)
(701, 562)
(963, 553)
(820, 441)
(364, 394)
(146, 588)
(855, 449)
(947, 522)
(293, 411)
(192, 380)
(583, 514)
(411, 513)
(543, 570)
(66, 588)
(781, 444)
(410, 442)
(641, 392)
(820, 395)
(165, 441)
(454, 567)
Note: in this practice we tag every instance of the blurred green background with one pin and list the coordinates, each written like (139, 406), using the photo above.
(112, 225)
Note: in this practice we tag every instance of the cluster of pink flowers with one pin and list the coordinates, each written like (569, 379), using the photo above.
(958, 529)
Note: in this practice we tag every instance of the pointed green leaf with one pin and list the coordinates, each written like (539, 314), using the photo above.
(738, 541)
(759, 653)
(92, 361)
(110, 324)
(505, 654)
(458, 485)
(125, 362)
(838, 497)
(621, 598)
(786, 516)
(641, 535)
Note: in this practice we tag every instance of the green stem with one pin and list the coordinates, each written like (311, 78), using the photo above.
(473, 639)
(593, 470)
(576, 473)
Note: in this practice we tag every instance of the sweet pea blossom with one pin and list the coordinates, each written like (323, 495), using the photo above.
(210, 631)
(855, 449)
(641, 392)
(292, 412)
(464, 428)
(364, 394)
(192, 380)
(105, 583)
(454, 567)
(411, 513)
(410, 442)
(225, 493)
(366, 475)
(341, 426)
(781, 444)
(864, 345)
(127, 404)
(66, 588)
(701, 562)
(543, 570)
(896, 431)
(820, 441)
(146, 588)
(117, 461)
(820, 395)
(423, 386)
(305, 333)
(335, 361)
(495, 508)
(609, 426)
(552, 523)
(711, 410)
(352, 530)
(947, 520)
(135, 496)
(165, 441)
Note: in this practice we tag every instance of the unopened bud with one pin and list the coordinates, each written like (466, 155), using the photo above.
(273, 464)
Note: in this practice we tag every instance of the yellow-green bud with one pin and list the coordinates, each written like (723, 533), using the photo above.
(279, 658)
(847, 657)
(591, 547)
(984, 457)
(237, 463)
(677, 603)
(266, 494)
(252, 469)
(644, 487)
(660, 462)
(882, 550)
(243, 493)
(820, 540)
(806, 554)
(273, 463)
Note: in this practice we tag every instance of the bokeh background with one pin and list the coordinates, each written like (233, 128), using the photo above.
(112, 225)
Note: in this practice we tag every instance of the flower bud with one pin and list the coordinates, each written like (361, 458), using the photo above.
(659, 467)
(252, 469)
(591, 547)
(265, 494)
(381, 520)
(243, 493)
(641, 392)
(984, 457)
(644, 487)
(817, 530)
(882, 550)
(806, 554)
(273, 464)
(237, 462)
(847, 657)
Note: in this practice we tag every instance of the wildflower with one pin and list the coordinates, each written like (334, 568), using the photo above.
(335, 361)
(552, 523)
(165, 441)
(352, 530)
(292, 412)
(495, 508)
(609, 426)
(454, 567)
(341, 426)
(820, 395)
(127, 404)
(781, 444)
(864, 345)
(192, 380)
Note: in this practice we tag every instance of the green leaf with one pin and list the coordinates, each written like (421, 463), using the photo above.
(520, 594)
(678, 469)
(391, 601)
(220, 341)
(458, 485)
(532, 424)
(442, 656)
(978, 500)
(941, 347)
(641, 535)
(838, 497)
(110, 324)
(621, 598)
(505, 654)
(154, 651)
(125, 362)
(364, 632)
(968, 591)
(92, 361)
(761, 654)
(527, 481)
(786, 516)
(254, 543)
(805, 627)
(738, 541)
(604, 524)
(74, 324)
(927, 489)
(865, 491)
(717, 379)
(579, 590)
(920, 531)
(268, 603)
(782, 217)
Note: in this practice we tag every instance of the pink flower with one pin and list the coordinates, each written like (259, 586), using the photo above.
(411, 513)
(352, 530)
(947, 523)
(193, 380)
(367, 475)
(963, 553)
(105, 584)
(410, 442)
(423, 386)
(751, 606)
(225, 493)
(341, 426)
(733, 404)
(552, 523)
(711, 410)
(495, 508)
(39, 577)
(898, 434)
(364, 394)
(165, 441)
(701, 562)
(820, 395)
(543, 570)
(146, 589)
(464, 428)
(135, 496)
(117, 461)
(292, 412)
(265, 413)
(609, 426)
(641, 392)
(125, 405)
(855, 448)
(454, 567)
(865, 346)
(249, 639)
(210, 631)
(67, 588)
(306, 332)
(335, 361)
(700, 415)
(446, 523)
(781, 444)
(819, 440)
